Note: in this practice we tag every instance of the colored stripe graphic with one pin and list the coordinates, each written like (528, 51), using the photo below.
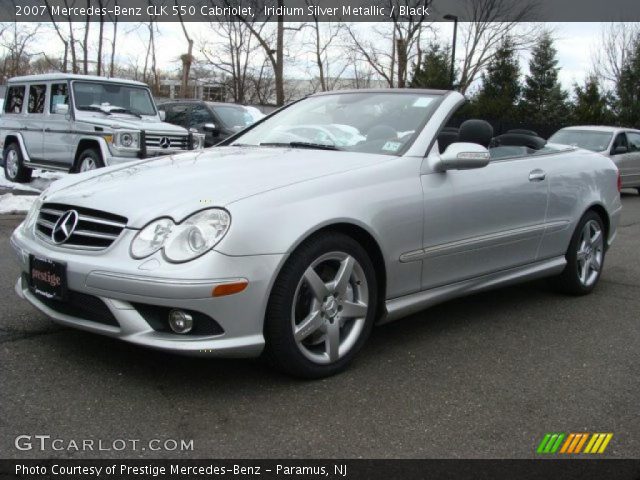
(550, 443)
(574, 443)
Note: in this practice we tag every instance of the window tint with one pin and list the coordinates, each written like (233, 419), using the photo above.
(37, 95)
(200, 115)
(634, 141)
(176, 114)
(620, 141)
(15, 99)
(59, 95)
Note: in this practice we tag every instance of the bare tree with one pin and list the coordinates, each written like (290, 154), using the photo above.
(113, 41)
(232, 53)
(617, 42)
(67, 39)
(324, 36)
(484, 32)
(16, 41)
(393, 46)
(85, 45)
(100, 39)
(187, 58)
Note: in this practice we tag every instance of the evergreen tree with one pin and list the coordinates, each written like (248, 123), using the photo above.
(434, 70)
(543, 99)
(500, 85)
(591, 106)
(628, 90)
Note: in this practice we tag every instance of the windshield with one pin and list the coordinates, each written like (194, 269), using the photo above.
(372, 122)
(587, 139)
(112, 97)
(233, 117)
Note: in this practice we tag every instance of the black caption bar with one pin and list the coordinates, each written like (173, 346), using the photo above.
(316, 469)
(319, 10)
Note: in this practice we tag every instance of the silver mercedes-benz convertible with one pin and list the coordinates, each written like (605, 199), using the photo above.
(295, 236)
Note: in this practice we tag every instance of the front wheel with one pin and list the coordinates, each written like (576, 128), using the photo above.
(14, 169)
(322, 307)
(585, 256)
(89, 159)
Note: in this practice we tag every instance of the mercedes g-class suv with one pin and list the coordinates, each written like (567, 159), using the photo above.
(79, 122)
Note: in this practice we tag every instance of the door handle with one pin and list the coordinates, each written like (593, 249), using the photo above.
(537, 175)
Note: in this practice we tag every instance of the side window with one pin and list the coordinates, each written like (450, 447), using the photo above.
(15, 99)
(619, 143)
(200, 115)
(634, 141)
(37, 94)
(176, 114)
(59, 96)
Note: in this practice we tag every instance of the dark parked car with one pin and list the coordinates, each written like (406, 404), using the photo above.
(216, 120)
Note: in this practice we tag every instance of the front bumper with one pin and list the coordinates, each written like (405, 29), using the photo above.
(122, 283)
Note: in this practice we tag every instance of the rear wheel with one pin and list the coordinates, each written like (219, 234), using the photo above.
(14, 169)
(89, 159)
(585, 256)
(322, 307)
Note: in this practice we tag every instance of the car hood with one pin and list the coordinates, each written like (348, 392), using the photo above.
(178, 185)
(116, 120)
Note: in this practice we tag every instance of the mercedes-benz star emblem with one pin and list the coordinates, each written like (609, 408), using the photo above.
(64, 227)
(165, 142)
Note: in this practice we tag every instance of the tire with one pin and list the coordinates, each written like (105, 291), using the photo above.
(578, 279)
(89, 159)
(307, 330)
(14, 169)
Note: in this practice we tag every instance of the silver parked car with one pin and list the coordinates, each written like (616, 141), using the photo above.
(622, 145)
(80, 122)
(295, 249)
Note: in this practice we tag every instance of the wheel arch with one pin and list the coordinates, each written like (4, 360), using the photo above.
(16, 138)
(86, 143)
(606, 220)
(361, 235)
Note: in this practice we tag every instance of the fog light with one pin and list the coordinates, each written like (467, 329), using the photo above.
(180, 322)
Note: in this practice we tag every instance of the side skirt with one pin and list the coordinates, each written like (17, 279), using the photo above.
(397, 308)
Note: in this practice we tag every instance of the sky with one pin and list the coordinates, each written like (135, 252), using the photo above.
(576, 44)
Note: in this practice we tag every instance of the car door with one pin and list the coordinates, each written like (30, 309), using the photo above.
(201, 115)
(59, 141)
(622, 157)
(486, 219)
(33, 126)
(633, 159)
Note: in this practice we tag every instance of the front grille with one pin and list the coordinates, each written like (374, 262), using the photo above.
(95, 230)
(155, 141)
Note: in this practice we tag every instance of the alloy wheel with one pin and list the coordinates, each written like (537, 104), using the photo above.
(87, 164)
(590, 253)
(12, 163)
(330, 307)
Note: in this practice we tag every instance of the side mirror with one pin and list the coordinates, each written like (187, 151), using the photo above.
(60, 108)
(464, 156)
(163, 115)
(209, 127)
(620, 149)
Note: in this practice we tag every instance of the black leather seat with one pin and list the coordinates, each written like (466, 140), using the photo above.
(519, 140)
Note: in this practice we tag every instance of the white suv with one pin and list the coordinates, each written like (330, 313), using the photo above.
(78, 122)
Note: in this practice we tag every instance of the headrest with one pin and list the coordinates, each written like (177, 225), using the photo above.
(476, 131)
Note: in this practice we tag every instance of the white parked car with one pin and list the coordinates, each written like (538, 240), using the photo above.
(622, 145)
(77, 123)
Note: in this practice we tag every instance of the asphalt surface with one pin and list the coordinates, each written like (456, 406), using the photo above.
(485, 376)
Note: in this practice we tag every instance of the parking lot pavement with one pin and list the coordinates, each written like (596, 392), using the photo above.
(484, 376)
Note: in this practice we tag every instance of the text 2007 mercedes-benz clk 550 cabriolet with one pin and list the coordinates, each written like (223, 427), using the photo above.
(299, 233)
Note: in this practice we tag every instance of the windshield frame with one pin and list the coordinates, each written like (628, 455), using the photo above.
(584, 131)
(438, 98)
(120, 84)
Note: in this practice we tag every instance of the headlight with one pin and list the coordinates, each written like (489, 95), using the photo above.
(128, 140)
(185, 241)
(32, 216)
(197, 141)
